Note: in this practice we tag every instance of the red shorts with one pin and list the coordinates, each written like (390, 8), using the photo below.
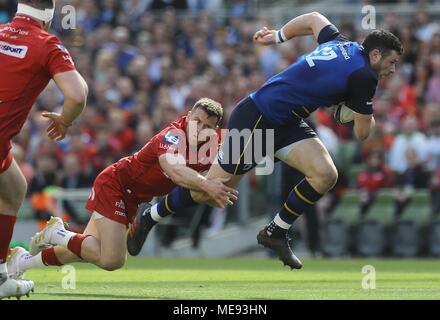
(107, 198)
(5, 158)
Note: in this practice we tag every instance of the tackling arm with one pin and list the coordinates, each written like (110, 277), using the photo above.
(174, 165)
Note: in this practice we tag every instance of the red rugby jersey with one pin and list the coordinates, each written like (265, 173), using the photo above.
(29, 58)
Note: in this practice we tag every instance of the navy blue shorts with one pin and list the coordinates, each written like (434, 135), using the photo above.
(251, 138)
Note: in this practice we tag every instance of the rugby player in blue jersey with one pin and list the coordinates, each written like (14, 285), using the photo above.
(337, 71)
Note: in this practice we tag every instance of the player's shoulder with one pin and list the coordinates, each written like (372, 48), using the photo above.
(173, 133)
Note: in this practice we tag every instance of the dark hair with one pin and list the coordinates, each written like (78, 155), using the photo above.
(211, 107)
(383, 40)
(39, 4)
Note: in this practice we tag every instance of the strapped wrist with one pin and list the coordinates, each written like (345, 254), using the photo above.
(280, 36)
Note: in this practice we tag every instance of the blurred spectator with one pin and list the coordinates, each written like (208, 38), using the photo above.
(409, 138)
(413, 177)
(376, 176)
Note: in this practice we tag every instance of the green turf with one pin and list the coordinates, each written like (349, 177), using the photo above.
(243, 279)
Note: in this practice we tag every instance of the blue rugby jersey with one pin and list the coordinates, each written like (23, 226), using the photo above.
(338, 70)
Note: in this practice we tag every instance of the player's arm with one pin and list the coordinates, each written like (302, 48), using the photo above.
(363, 125)
(75, 90)
(362, 87)
(307, 24)
(174, 166)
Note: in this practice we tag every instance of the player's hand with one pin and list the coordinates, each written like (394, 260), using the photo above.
(220, 193)
(58, 127)
(265, 37)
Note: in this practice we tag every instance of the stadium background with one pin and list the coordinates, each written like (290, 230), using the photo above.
(146, 62)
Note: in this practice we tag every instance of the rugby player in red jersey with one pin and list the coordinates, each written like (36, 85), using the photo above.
(175, 156)
(29, 58)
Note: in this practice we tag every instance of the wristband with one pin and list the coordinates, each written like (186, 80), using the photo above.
(280, 36)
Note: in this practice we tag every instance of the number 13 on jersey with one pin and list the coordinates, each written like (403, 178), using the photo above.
(325, 54)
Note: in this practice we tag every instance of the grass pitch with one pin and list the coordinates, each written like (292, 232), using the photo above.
(213, 279)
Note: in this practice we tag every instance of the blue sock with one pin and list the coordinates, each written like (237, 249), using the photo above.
(299, 200)
(179, 198)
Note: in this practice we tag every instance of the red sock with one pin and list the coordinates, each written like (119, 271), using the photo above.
(6, 229)
(49, 257)
(75, 243)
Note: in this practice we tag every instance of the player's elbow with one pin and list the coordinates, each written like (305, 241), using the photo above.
(362, 135)
(77, 97)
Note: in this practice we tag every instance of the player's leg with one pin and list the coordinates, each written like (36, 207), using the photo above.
(310, 157)
(12, 192)
(103, 243)
(21, 260)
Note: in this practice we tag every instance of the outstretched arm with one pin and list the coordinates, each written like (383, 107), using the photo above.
(304, 25)
(174, 165)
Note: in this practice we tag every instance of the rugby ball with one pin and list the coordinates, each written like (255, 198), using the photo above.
(343, 114)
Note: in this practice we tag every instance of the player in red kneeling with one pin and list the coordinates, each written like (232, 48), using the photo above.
(29, 58)
(173, 157)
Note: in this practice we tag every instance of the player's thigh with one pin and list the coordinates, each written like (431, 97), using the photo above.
(12, 189)
(310, 157)
(216, 171)
(112, 236)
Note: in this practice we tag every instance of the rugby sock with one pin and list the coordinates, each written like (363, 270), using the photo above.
(62, 237)
(6, 229)
(48, 258)
(75, 243)
(44, 258)
(179, 198)
(299, 200)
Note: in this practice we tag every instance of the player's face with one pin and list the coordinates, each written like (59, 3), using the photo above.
(204, 124)
(386, 65)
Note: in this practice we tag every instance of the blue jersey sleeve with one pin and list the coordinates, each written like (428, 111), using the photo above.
(330, 33)
(362, 87)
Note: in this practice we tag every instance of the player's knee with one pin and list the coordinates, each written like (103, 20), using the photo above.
(112, 263)
(11, 204)
(327, 177)
(330, 177)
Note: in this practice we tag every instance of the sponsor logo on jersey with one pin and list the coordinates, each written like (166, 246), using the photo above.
(120, 204)
(62, 48)
(171, 138)
(344, 52)
(13, 50)
(119, 213)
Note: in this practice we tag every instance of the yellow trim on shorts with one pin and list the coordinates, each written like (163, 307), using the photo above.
(290, 210)
(166, 204)
(305, 109)
(296, 114)
(247, 143)
(302, 197)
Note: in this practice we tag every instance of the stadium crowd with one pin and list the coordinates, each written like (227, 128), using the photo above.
(145, 67)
